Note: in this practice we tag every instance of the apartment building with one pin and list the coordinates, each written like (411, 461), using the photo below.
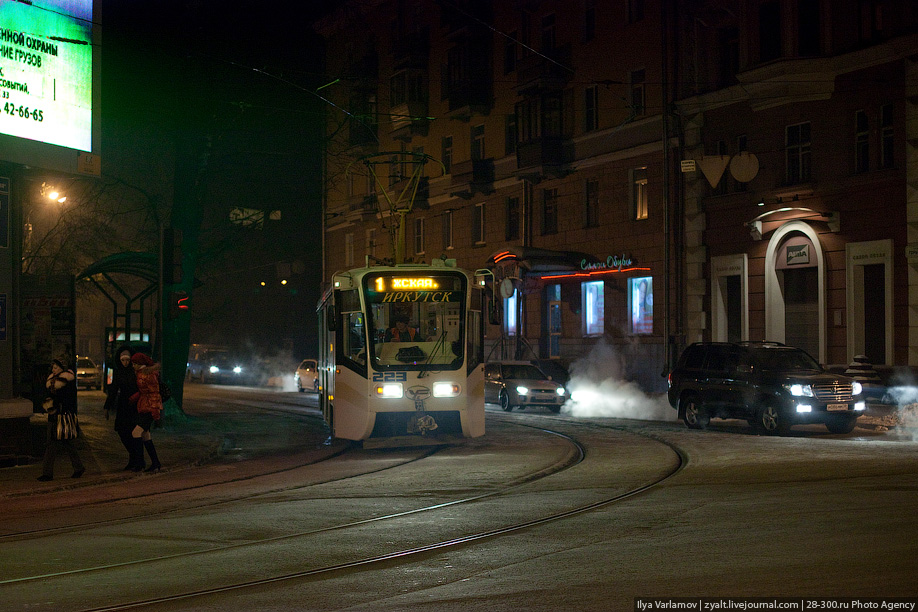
(540, 130)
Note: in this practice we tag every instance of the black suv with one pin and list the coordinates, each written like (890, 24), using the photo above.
(771, 385)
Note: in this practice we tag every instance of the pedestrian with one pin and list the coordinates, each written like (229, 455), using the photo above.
(120, 390)
(149, 404)
(61, 386)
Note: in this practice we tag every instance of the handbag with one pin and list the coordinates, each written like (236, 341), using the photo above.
(67, 426)
(164, 391)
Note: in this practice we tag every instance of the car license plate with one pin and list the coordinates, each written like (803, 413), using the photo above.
(836, 407)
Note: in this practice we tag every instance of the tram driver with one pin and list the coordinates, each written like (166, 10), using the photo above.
(401, 332)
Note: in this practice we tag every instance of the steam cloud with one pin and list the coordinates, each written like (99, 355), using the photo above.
(598, 389)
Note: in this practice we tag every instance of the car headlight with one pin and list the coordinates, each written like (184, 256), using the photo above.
(237, 370)
(522, 390)
(214, 369)
(798, 390)
(560, 391)
(856, 388)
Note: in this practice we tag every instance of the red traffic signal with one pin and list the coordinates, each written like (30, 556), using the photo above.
(179, 303)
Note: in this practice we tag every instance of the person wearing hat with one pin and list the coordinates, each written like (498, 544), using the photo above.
(149, 404)
(118, 400)
(61, 385)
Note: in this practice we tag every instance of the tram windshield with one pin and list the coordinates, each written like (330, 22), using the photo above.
(415, 321)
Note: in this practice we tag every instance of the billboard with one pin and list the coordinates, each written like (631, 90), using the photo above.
(46, 72)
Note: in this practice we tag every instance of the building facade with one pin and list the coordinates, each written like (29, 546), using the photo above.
(640, 174)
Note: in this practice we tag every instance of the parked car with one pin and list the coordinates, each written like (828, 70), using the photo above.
(771, 385)
(518, 384)
(88, 374)
(307, 376)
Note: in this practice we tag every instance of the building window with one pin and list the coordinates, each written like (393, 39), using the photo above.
(371, 242)
(510, 46)
(549, 211)
(448, 230)
(640, 298)
(808, 32)
(513, 219)
(635, 10)
(478, 223)
(478, 142)
(511, 304)
(419, 236)
(797, 147)
(348, 250)
(593, 300)
(591, 204)
(446, 153)
(639, 193)
(769, 31)
(548, 33)
(589, 20)
(637, 92)
(510, 135)
(590, 108)
(886, 136)
(396, 173)
(861, 142)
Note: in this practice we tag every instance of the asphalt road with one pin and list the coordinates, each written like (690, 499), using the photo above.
(545, 513)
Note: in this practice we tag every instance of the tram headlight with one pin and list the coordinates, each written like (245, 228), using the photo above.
(389, 390)
(445, 389)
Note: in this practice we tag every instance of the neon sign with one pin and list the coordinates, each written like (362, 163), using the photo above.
(612, 261)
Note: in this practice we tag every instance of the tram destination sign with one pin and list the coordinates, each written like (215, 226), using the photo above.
(409, 289)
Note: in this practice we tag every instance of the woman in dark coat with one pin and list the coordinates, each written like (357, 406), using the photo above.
(122, 387)
(61, 385)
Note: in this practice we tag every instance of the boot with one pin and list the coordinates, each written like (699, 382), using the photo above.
(154, 459)
(137, 462)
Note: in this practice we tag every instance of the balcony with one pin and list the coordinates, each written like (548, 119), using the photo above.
(536, 73)
(472, 177)
(362, 207)
(545, 157)
(409, 119)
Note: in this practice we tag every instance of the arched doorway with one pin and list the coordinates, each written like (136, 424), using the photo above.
(795, 289)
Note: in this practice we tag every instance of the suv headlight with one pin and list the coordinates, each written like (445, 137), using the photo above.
(856, 388)
(798, 390)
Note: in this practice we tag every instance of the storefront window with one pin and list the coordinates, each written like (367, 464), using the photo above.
(640, 292)
(593, 308)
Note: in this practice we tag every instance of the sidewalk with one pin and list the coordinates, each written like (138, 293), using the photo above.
(180, 442)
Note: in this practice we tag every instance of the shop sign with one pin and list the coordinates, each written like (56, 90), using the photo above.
(798, 254)
(611, 262)
(911, 253)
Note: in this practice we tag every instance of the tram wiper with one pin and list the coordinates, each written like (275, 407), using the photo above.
(440, 341)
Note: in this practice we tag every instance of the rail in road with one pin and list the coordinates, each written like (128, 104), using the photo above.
(358, 513)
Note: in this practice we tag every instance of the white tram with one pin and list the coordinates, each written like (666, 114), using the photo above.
(400, 357)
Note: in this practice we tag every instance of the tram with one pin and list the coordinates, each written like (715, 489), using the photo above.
(401, 354)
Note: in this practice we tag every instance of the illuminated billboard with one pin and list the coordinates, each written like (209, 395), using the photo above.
(46, 71)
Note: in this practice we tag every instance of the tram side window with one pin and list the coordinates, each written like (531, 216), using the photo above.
(351, 332)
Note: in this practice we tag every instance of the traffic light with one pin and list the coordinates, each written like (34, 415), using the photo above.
(179, 303)
(172, 256)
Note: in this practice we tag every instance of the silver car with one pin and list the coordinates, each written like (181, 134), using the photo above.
(518, 384)
(88, 374)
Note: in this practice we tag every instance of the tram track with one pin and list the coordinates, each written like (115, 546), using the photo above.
(401, 554)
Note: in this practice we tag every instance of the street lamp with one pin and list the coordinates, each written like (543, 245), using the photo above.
(52, 193)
